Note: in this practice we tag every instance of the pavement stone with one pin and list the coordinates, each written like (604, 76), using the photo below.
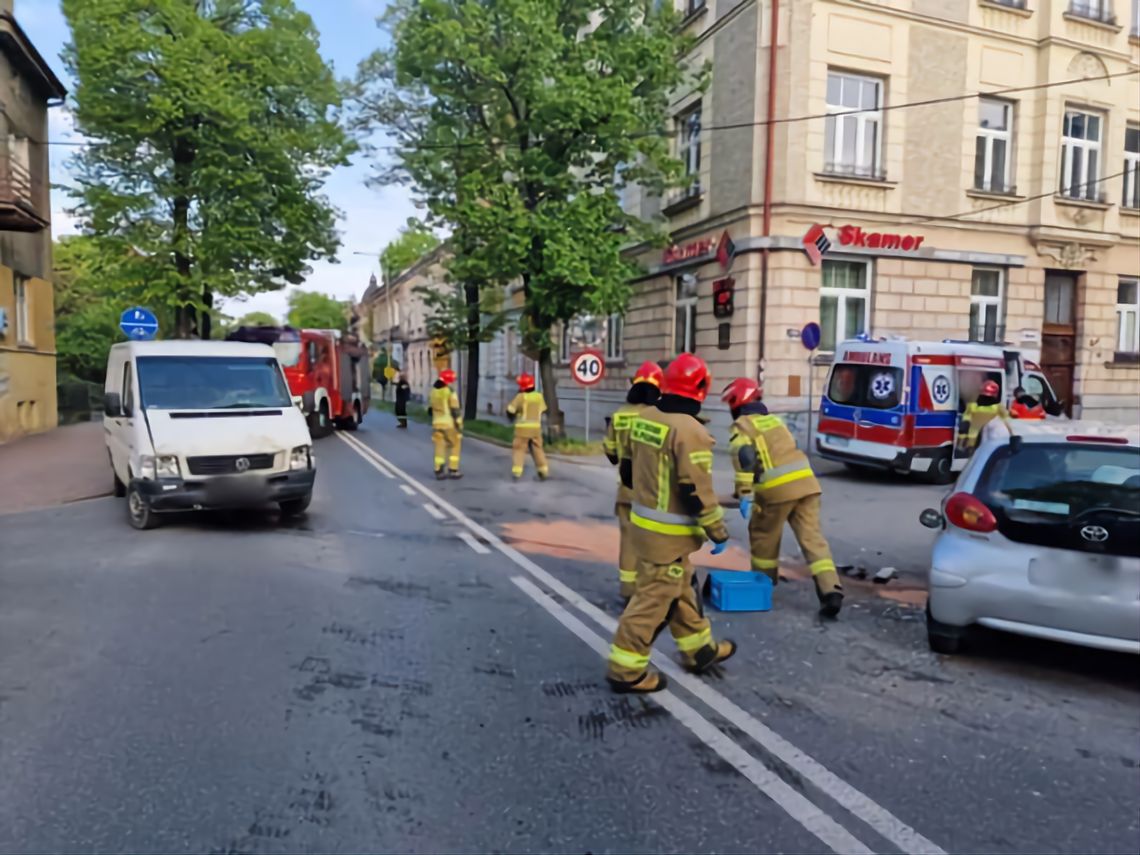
(62, 465)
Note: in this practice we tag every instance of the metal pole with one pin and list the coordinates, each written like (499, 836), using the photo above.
(810, 385)
(587, 414)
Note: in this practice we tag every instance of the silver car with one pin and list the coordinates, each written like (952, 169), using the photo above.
(1042, 538)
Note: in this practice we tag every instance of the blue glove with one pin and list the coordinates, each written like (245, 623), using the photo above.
(746, 507)
(718, 548)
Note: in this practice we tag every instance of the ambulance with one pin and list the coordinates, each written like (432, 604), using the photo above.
(896, 404)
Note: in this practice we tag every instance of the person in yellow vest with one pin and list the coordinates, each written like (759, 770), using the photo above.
(446, 426)
(980, 413)
(644, 391)
(674, 510)
(526, 412)
(774, 473)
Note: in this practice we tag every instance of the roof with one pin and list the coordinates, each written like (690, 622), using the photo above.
(194, 347)
(23, 54)
(1052, 430)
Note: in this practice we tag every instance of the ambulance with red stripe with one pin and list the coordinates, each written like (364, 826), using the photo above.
(896, 404)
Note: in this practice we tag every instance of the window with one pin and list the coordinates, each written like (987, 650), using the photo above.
(844, 300)
(1136, 17)
(1096, 10)
(852, 134)
(615, 331)
(1128, 316)
(689, 146)
(127, 400)
(23, 311)
(1080, 156)
(993, 146)
(685, 316)
(1130, 198)
(694, 6)
(1059, 289)
(986, 293)
(877, 386)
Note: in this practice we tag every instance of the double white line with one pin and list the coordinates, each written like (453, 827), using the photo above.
(837, 838)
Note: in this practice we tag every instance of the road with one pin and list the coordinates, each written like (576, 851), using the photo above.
(418, 667)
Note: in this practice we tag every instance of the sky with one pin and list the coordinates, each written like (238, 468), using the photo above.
(369, 217)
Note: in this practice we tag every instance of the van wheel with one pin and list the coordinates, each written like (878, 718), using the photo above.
(118, 488)
(940, 471)
(295, 507)
(139, 512)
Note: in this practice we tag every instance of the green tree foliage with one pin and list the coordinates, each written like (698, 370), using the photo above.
(413, 243)
(518, 122)
(213, 126)
(314, 310)
(257, 319)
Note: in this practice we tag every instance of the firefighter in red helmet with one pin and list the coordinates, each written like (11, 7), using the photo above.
(674, 510)
(773, 471)
(644, 390)
(446, 426)
(526, 410)
(980, 413)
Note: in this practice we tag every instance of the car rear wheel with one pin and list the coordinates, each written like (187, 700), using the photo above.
(295, 507)
(942, 637)
(139, 512)
(940, 471)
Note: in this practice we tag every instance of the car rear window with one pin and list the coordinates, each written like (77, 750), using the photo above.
(1066, 495)
(876, 386)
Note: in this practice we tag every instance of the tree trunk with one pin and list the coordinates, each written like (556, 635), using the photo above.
(185, 315)
(206, 324)
(556, 422)
(471, 393)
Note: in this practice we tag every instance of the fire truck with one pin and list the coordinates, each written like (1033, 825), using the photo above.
(326, 369)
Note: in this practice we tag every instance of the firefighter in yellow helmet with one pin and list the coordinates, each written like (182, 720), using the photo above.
(526, 410)
(446, 426)
(674, 510)
(980, 413)
(771, 470)
(644, 391)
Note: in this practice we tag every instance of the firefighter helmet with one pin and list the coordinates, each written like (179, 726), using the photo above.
(741, 391)
(447, 376)
(526, 382)
(991, 389)
(649, 372)
(688, 376)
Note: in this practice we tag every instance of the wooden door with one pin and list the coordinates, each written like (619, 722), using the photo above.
(1059, 334)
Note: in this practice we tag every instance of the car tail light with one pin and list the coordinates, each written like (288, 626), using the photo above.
(1112, 440)
(966, 511)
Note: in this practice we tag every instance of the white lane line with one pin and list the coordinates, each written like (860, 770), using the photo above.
(434, 511)
(798, 807)
(468, 538)
(855, 801)
(407, 490)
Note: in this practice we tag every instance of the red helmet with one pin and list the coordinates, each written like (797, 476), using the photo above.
(525, 381)
(991, 389)
(688, 376)
(447, 376)
(741, 391)
(649, 372)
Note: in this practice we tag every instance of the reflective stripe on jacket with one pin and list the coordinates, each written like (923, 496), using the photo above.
(783, 472)
(980, 415)
(527, 408)
(616, 443)
(444, 404)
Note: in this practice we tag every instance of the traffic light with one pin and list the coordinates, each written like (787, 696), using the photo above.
(722, 297)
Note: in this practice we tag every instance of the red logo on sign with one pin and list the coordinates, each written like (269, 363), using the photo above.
(695, 249)
(871, 358)
(816, 244)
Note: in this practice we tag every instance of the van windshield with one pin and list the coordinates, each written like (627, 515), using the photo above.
(210, 383)
(875, 386)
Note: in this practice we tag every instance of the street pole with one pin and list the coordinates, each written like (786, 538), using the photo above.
(587, 415)
(810, 385)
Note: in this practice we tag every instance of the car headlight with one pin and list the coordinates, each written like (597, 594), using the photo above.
(301, 457)
(163, 466)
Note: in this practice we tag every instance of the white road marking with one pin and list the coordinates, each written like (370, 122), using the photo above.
(434, 511)
(798, 807)
(407, 490)
(856, 802)
(468, 538)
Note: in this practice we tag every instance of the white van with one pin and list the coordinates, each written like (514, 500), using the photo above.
(191, 425)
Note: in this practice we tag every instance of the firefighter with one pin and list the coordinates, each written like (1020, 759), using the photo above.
(773, 472)
(1025, 406)
(980, 413)
(674, 510)
(644, 390)
(403, 393)
(526, 412)
(446, 426)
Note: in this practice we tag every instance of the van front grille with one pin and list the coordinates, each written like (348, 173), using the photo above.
(227, 464)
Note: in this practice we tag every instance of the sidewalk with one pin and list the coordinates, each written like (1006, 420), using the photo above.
(63, 465)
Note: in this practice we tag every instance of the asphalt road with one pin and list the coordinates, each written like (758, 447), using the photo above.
(418, 667)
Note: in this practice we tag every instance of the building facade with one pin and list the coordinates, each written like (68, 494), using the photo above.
(27, 330)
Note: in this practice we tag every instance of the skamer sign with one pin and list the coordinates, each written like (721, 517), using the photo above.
(855, 236)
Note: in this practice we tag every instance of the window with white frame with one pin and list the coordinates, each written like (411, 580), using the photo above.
(993, 146)
(1128, 316)
(615, 333)
(853, 138)
(1096, 10)
(1080, 156)
(685, 314)
(23, 311)
(1136, 17)
(689, 144)
(844, 301)
(987, 295)
(1130, 198)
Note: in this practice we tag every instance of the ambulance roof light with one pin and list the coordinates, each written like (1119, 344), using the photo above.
(867, 337)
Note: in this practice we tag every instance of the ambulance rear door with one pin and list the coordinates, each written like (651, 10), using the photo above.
(933, 410)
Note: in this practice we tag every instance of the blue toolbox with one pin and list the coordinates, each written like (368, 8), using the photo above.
(735, 591)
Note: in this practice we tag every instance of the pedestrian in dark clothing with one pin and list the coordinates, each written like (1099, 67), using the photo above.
(403, 392)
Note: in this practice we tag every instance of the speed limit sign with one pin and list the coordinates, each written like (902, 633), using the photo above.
(588, 367)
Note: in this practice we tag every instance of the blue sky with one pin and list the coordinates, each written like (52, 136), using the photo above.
(370, 217)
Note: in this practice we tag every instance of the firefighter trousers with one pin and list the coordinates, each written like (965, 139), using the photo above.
(666, 595)
(767, 527)
(627, 558)
(532, 445)
(446, 442)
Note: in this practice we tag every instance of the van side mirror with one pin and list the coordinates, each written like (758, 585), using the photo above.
(112, 404)
(931, 518)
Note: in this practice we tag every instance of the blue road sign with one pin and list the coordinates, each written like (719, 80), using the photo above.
(811, 335)
(139, 324)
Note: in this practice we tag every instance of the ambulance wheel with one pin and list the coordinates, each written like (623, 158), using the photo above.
(940, 471)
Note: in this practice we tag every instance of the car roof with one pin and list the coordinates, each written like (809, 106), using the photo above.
(193, 347)
(1054, 430)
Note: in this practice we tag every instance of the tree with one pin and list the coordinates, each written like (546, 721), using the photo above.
(212, 128)
(257, 319)
(414, 242)
(314, 310)
(518, 122)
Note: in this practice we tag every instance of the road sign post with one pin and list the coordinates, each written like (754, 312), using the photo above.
(588, 368)
(810, 336)
(138, 324)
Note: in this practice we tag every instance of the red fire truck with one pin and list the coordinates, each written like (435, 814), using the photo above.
(326, 369)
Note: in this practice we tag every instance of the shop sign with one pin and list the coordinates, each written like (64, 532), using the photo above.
(696, 249)
(856, 236)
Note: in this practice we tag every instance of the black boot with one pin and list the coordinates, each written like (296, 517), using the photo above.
(455, 475)
(440, 475)
(830, 604)
(711, 655)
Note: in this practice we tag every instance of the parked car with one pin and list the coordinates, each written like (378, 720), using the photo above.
(192, 425)
(1042, 538)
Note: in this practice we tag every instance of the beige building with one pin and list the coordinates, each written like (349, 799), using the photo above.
(27, 331)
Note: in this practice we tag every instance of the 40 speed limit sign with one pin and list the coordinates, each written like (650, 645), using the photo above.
(588, 367)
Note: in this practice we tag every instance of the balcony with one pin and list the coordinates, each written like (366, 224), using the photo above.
(18, 209)
(682, 200)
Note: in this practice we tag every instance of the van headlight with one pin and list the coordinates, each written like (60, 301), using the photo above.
(162, 466)
(301, 457)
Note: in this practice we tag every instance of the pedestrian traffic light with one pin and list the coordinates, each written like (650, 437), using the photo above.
(722, 297)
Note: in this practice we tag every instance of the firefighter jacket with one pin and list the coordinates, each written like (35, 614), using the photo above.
(526, 409)
(444, 405)
(675, 506)
(767, 461)
(979, 415)
(616, 443)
